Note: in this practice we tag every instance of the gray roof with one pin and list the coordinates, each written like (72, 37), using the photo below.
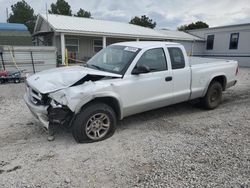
(221, 27)
(70, 24)
(180, 35)
(87, 26)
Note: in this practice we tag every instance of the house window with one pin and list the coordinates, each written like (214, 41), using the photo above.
(72, 44)
(210, 42)
(97, 45)
(234, 41)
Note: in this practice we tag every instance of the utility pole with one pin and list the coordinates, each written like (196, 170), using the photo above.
(7, 14)
(47, 16)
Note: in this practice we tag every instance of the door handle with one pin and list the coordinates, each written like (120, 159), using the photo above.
(168, 79)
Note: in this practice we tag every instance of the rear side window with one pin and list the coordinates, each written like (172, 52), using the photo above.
(154, 59)
(177, 58)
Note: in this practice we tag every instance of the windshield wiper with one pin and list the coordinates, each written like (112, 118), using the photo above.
(96, 66)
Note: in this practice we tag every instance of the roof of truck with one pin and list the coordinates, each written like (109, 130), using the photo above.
(145, 44)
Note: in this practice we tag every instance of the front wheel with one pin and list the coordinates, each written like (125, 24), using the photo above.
(213, 96)
(95, 122)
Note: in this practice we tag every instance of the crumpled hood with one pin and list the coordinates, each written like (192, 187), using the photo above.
(59, 78)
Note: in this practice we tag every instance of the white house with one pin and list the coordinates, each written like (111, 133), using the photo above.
(83, 37)
(226, 42)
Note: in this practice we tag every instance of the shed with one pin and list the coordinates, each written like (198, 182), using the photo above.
(14, 34)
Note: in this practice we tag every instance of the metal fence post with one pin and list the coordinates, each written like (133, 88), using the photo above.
(1, 53)
(32, 61)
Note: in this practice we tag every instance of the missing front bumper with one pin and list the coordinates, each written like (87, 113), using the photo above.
(48, 115)
(39, 112)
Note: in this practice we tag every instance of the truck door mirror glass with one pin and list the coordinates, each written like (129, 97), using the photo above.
(140, 70)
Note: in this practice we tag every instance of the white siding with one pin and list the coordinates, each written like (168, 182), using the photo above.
(222, 41)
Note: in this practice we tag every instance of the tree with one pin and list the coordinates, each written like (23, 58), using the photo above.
(143, 21)
(83, 13)
(196, 25)
(60, 7)
(23, 13)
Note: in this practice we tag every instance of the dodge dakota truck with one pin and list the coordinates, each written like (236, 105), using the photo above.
(123, 79)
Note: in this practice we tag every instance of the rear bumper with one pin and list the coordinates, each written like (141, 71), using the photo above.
(39, 112)
(231, 84)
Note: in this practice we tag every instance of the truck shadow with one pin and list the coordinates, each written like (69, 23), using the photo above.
(165, 114)
(170, 113)
(140, 120)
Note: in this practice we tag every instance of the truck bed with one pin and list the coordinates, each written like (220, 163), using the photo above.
(200, 60)
(203, 69)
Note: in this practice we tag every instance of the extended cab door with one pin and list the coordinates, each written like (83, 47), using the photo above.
(149, 90)
(181, 73)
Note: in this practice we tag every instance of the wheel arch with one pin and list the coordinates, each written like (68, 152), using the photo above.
(112, 101)
(222, 79)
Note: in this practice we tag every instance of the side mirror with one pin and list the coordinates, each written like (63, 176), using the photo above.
(140, 70)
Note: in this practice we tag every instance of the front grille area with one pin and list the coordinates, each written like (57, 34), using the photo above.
(36, 97)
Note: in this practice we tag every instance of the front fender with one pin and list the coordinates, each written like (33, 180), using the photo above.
(100, 95)
(76, 97)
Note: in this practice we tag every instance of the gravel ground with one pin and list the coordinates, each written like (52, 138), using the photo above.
(176, 146)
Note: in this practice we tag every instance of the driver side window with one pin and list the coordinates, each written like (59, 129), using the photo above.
(154, 59)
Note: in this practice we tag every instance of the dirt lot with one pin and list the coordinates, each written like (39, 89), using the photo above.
(177, 146)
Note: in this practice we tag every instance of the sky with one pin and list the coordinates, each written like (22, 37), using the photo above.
(167, 14)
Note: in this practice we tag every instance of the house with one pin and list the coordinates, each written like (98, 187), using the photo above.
(14, 34)
(193, 44)
(226, 42)
(83, 37)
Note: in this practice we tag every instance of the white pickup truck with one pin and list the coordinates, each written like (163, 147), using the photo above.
(124, 79)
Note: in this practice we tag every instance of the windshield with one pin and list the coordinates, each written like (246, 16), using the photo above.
(114, 58)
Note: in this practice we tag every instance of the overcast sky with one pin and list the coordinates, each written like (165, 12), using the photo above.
(167, 13)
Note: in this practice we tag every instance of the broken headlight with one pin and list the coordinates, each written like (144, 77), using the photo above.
(55, 104)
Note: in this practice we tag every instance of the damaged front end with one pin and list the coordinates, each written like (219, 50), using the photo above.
(56, 95)
(60, 115)
(47, 110)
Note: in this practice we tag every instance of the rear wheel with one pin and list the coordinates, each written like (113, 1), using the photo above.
(95, 122)
(213, 96)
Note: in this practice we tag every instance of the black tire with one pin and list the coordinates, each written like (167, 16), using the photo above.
(17, 81)
(81, 122)
(213, 96)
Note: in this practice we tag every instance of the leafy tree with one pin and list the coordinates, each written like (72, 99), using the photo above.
(61, 7)
(196, 25)
(23, 13)
(143, 21)
(83, 13)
